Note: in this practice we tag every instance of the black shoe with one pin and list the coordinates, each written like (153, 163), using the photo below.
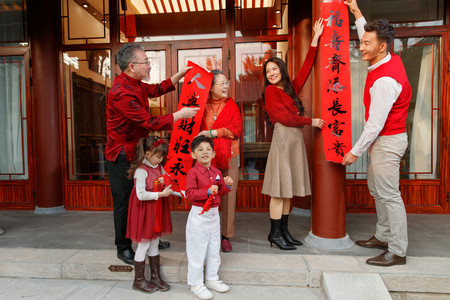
(127, 256)
(163, 245)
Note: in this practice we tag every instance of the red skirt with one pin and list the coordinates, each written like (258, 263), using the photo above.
(141, 219)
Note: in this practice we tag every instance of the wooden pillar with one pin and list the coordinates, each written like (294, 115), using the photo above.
(46, 113)
(328, 189)
(301, 26)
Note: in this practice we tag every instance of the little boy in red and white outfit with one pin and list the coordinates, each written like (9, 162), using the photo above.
(204, 186)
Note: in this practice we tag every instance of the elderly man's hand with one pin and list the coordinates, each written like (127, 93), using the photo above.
(185, 113)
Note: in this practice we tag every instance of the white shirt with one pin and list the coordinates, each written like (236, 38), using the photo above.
(141, 177)
(383, 93)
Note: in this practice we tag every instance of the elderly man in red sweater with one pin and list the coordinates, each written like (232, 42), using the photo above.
(128, 119)
(387, 95)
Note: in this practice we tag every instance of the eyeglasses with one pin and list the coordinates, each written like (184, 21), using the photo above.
(223, 83)
(141, 63)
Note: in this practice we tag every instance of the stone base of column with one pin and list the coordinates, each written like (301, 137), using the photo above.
(49, 210)
(328, 244)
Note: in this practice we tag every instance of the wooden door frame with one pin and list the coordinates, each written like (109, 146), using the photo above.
(20, 193)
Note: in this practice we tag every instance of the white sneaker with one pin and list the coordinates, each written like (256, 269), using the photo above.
(201, 291)
(217, 285)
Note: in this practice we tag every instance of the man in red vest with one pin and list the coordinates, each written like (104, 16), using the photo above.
(387, 94)
(128, 119)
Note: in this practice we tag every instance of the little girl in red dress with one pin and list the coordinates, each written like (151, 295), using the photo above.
(148, 211)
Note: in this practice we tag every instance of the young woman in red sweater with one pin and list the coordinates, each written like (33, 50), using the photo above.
(287, 172)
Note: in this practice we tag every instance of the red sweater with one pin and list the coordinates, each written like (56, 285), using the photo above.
(279, 106)
(396, 120)
(128, 115)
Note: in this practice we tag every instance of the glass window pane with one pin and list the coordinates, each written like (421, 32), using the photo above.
(253, 18)
(403, 11)
(86, 85)
(257, 135)
(421, 57)
(13, 23)
(13, 118)
(209, 59)
(158, 106)
(358, 71)
(165, 20)
(85, 22)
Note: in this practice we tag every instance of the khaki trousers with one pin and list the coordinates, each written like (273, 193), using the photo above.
(229, 200)
(383, 177)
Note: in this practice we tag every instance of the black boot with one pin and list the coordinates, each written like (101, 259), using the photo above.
(285, 232)
(276, 238)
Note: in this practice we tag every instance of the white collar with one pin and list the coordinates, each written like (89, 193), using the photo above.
(383, 61)
(149, 164)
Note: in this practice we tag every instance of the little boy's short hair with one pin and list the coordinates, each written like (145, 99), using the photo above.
(201, 139)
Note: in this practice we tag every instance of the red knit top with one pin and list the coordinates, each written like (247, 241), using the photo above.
(279, 106)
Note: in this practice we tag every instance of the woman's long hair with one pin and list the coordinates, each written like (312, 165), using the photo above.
(286, 83)
(144, 145)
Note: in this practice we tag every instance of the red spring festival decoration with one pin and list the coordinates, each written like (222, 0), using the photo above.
(335, 80)
(196, 86)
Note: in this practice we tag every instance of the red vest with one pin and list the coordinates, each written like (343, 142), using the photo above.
(396, 120)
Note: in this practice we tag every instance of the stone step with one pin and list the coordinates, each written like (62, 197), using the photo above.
(354, 286)
(420, 274)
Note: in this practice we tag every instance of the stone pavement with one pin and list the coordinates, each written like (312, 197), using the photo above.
(78, 247)
(50, 289)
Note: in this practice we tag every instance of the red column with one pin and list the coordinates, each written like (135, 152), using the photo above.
(44, 37)
(328, 189)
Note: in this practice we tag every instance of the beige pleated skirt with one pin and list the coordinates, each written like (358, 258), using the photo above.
(287, 173)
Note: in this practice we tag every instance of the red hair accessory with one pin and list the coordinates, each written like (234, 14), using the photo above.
(157, 143)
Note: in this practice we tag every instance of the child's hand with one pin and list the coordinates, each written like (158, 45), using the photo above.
(161, 180)
(214, 189)
(167, 191)
(228, 181)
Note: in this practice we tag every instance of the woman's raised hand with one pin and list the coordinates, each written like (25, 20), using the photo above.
(318, 30)
(318, 123)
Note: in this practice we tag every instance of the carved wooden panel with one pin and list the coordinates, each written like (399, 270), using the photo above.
(16, 196)
(84, 196)
(419, 196)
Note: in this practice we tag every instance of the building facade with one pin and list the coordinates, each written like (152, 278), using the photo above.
(57, 63)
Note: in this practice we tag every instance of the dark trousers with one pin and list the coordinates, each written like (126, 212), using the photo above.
(121, 188)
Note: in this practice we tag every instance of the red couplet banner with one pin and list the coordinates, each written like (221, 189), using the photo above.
(335, 81)
(194, 93)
